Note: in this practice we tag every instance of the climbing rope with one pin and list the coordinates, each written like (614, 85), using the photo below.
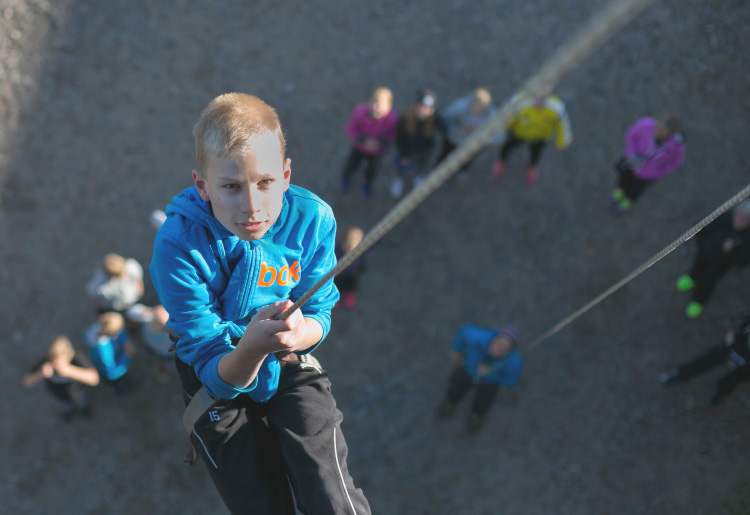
(638, 271)
(600, 28)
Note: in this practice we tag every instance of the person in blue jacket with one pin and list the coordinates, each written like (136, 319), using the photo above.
(111, 350)
(236, 250)
(486, 358)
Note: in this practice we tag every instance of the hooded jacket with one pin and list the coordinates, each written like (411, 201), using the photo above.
(361, 126)
(473, 342)
(652, 160)
(212, 283)
(530, 123)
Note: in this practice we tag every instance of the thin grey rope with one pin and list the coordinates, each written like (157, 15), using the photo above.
(600, 28)
(666, 250)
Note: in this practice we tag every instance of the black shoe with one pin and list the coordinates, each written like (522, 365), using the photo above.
(445, 409)
(718, 396)
(474, 423)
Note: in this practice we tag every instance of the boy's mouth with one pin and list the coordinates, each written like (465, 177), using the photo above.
(251, 226)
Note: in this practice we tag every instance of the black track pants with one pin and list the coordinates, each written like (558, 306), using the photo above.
(249, 460)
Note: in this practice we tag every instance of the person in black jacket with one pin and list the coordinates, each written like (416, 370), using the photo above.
(721, 245)
(415, 140)
(735, 349)
(67, 376)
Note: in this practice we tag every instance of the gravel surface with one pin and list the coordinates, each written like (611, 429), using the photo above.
(97, 101)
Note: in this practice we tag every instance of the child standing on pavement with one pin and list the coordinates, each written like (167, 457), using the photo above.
(415, 140)
(236, 250)
(535, 120)
(110, 349)
(653, 149)
(487, 359)
(347, 281)
(372, 130)
(67, 376)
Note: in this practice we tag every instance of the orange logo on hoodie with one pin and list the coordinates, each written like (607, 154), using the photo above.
(282, 277)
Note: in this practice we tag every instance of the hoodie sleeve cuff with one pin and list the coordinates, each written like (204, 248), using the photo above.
(325, 323)
(216, 386)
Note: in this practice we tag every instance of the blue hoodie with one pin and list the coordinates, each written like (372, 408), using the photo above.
(473, 342)
(212, 283)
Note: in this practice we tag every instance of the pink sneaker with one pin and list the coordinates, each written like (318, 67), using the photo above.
(350, 299)
(532, 175)
(498, 170)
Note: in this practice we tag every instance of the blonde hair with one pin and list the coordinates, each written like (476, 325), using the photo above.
(228, 122)
(482, 98)
(111, 323)
(114, 265)
(60, 348)
(351, 237)
(382, 94)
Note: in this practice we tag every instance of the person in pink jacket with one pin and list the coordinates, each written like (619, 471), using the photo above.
(372, 130)
(653, 149)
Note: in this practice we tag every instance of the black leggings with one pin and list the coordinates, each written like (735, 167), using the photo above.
(631, 185)
(535, 148)
(372, 164)
(717, 356)
(706, 272)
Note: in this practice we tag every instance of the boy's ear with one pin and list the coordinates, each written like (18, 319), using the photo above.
(200, 185)
(287, 173)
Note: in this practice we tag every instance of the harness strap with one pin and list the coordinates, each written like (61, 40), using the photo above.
(198, 405)
(201, 401)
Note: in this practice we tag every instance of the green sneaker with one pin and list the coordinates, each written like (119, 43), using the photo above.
(685, 283)
(694, 309)
(624, 204)
(617, 195)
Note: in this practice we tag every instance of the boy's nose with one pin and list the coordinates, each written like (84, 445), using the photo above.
(252, 201)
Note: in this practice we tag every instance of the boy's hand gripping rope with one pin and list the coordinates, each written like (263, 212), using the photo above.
(600, 28)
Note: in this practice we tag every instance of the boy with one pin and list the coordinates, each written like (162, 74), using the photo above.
(67, 377)
(235, 250)
(487, 357)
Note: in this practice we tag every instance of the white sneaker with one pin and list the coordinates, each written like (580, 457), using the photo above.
(397, 187)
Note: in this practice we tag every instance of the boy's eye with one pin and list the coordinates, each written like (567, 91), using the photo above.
(231, 186)
(265, 182)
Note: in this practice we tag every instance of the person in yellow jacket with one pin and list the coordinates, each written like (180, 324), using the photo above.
(535, 120)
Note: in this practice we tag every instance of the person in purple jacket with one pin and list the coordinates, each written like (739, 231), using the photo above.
(372, 130)
(653, 149)
(487, 358)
